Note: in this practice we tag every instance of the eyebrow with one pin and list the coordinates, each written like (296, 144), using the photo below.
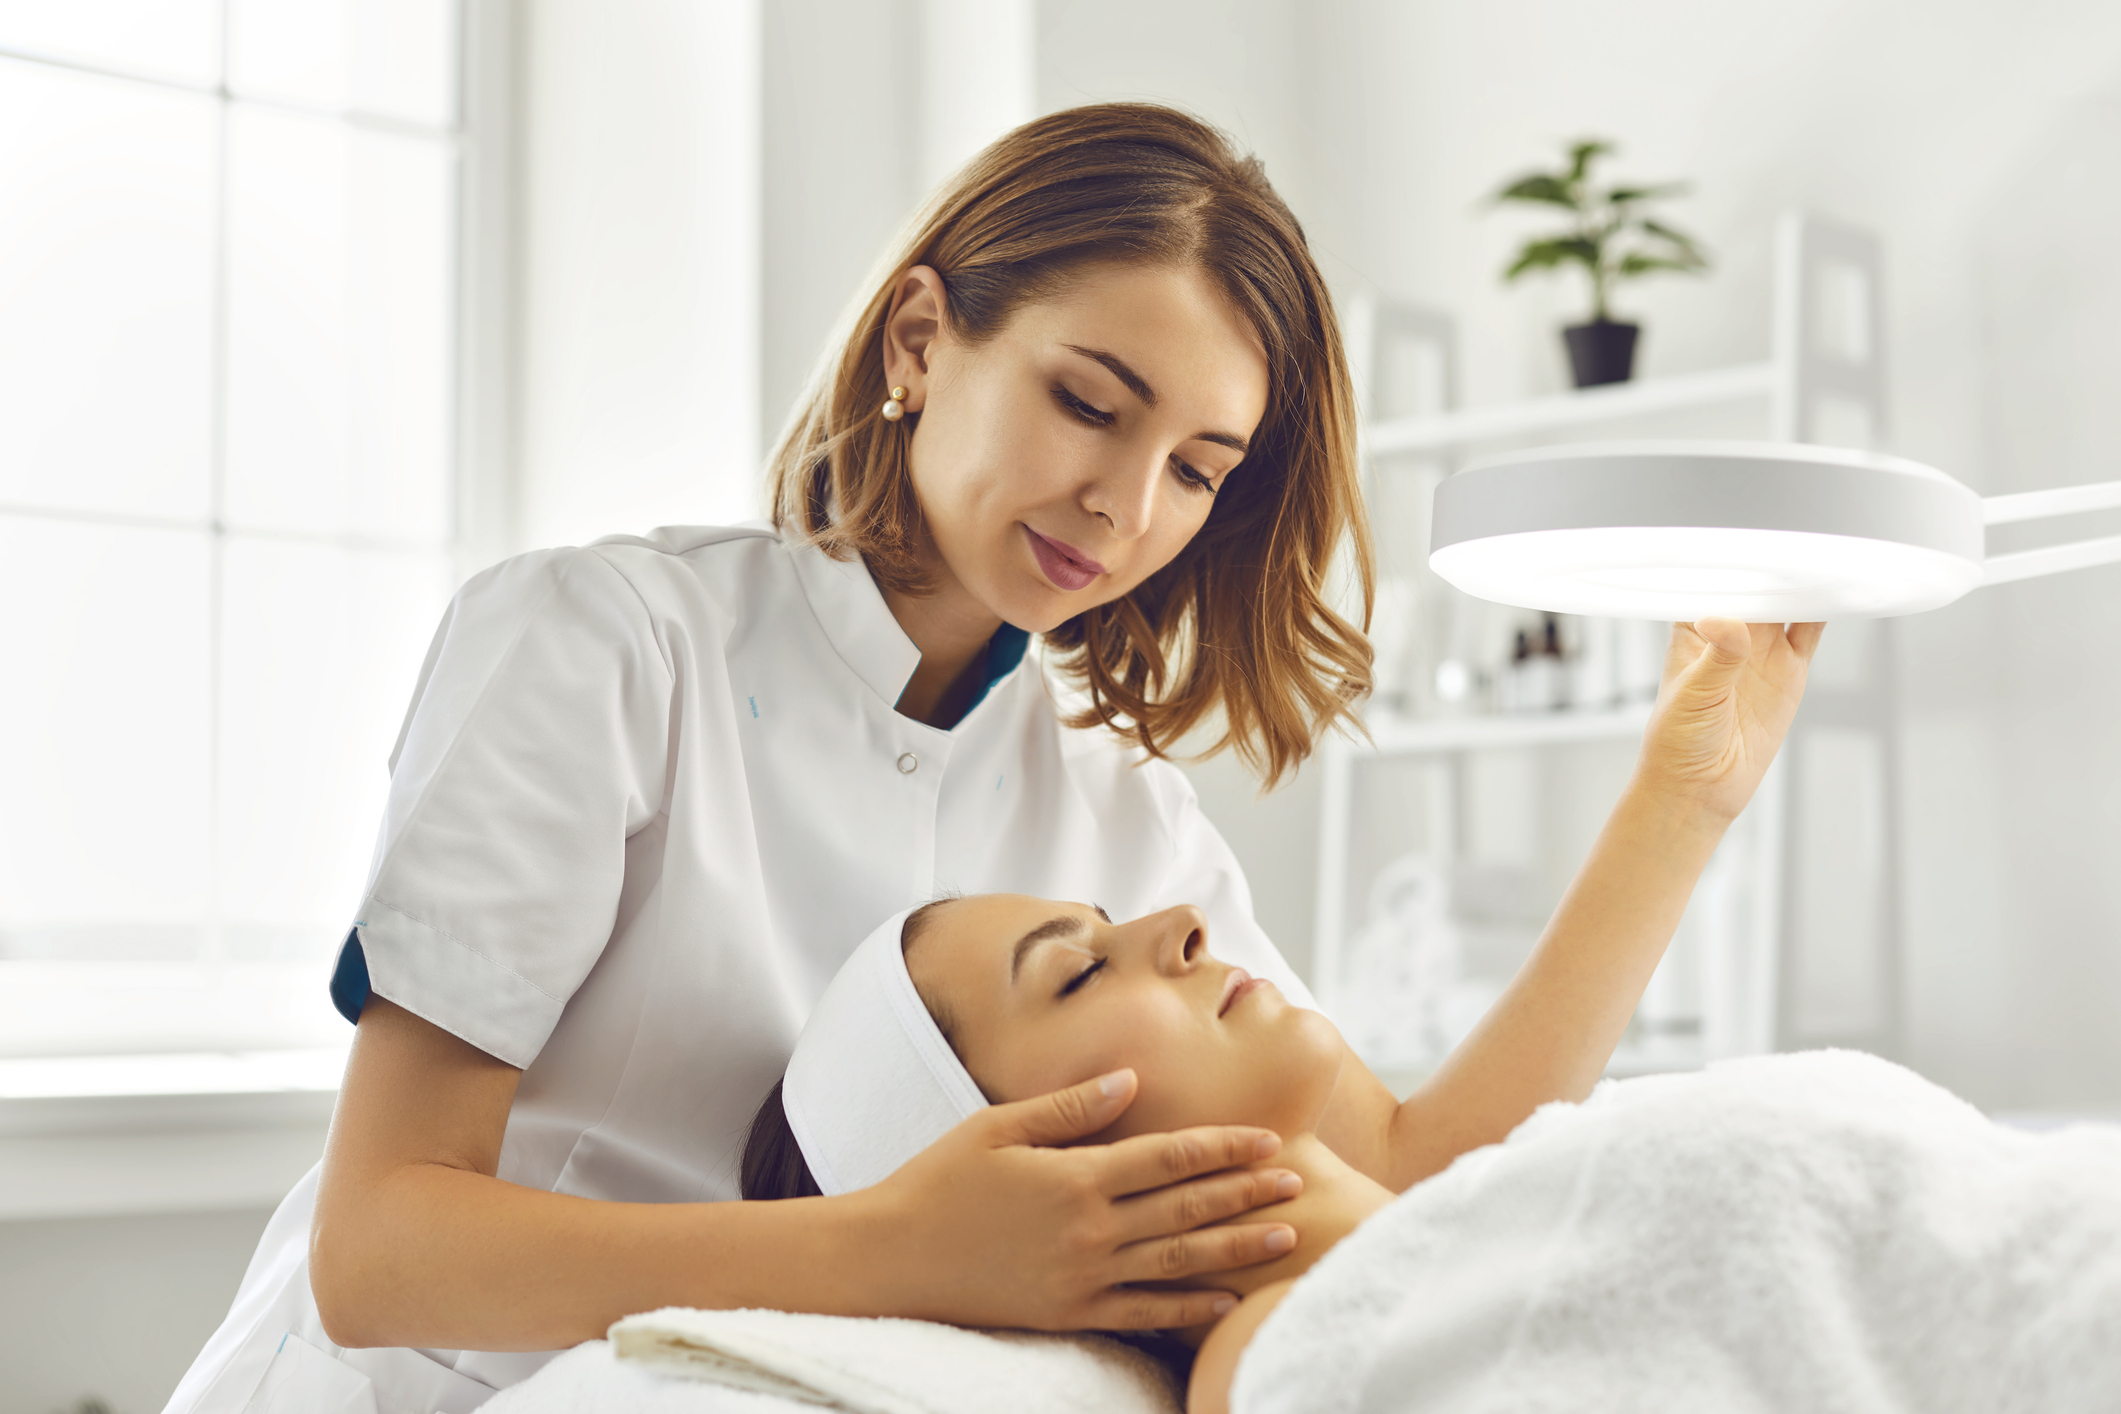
(1139, 386)
(1136, 384)
(1067, 926)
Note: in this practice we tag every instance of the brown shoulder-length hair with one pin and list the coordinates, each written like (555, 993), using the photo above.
(1238, 630)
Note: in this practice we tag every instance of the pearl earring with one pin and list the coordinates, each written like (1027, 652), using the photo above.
(895, 405)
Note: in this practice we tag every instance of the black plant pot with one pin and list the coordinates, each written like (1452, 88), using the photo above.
(1601, 352)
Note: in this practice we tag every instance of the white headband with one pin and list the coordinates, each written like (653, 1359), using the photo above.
(872, 1081)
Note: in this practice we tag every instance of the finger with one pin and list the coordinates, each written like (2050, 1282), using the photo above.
(1157, 1160)
(1728, 639)
(1062, 1115)
(1203, 1253)
(1185, 1206)
(1127, 1309)
(1725, 650)
(1804, 638)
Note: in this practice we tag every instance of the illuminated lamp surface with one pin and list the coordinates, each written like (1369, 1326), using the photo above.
(1767, 532)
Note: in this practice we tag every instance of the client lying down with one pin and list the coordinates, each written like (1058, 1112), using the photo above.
(1824, 1231)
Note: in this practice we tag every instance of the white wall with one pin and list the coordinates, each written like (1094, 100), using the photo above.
(113, 1307)
(840, 94)
(637, 387)
(868, 104)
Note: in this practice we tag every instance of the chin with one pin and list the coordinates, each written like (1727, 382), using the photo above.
(1315, 1061)
(1020, 595)
(1298, 1064)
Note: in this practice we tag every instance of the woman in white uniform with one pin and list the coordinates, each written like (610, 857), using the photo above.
(650, 791)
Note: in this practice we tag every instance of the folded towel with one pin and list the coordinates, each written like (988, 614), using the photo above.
(1820, 1232)
(875, 1366)
(590, 1380)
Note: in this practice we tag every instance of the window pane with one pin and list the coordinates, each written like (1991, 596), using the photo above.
(103, 741)
(403, 307)
(287, 373)
(320, 651)
(289, 48)
(340, 312)
(405, 60)
(106, 293)
(397, 58)
(179, 38)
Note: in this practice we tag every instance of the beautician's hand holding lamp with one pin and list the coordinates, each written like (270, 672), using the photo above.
(1767, 532)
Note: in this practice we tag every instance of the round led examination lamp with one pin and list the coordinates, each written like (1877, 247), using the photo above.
(1767, 532)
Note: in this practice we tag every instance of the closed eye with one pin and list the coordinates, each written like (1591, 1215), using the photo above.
(1076, 982)
(1198, 480)
(1081, 410)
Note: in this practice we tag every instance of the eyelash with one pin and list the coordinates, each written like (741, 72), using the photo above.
(1093, 417)
(1075, 983)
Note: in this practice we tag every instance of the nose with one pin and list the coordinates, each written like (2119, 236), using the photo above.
(1180, 940)
(1124, 496)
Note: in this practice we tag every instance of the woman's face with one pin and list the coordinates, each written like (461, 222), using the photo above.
(1040, 995)
(1072, 455)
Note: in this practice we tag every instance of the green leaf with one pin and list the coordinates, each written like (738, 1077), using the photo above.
(1636, 262)
(1545, 255)
(1684, 242)
(1583, 152)
(1622, 195)
(1540, 187)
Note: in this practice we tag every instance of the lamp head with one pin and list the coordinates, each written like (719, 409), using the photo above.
(1762, 531)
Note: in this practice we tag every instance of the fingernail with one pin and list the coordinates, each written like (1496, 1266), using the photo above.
(1288, 1186)
(1224, 1305)
(1267, 1146)
(1112, 1084)
(1281, 1239)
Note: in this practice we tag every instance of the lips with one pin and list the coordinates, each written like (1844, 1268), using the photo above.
(1067, 567)
(1234, 982)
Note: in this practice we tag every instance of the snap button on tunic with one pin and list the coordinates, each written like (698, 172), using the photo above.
(908, 763)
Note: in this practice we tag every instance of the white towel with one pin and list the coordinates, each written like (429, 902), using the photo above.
(1817, 1233)
(590, 1380)
(680, 1361)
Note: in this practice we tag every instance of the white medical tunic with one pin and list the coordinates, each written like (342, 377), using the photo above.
(649, 795)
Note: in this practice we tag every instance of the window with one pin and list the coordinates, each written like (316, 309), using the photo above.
(230, 447)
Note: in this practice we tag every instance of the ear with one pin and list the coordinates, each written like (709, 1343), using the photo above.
(910, 330)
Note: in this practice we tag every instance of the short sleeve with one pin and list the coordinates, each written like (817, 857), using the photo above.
(536, 744)
(1206, 873)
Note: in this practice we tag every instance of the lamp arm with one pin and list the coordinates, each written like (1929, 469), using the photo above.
(2059, 501)
(2053, 559)
(2045, 505)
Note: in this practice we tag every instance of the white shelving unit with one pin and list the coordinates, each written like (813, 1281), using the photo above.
(1823, 382)
(1588, 407)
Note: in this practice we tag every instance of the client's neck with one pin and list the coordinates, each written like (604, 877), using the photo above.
(1336, 1198)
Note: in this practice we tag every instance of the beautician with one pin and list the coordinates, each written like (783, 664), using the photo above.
(650, 792)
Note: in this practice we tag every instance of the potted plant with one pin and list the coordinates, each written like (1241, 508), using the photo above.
(1614, 238)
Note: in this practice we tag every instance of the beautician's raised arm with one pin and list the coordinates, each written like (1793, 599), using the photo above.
(1729, 695)
(417, 1243)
